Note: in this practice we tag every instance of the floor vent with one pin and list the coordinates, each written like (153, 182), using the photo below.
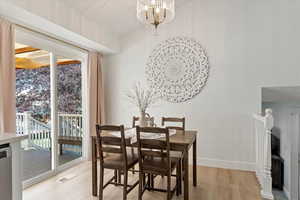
(66, 178)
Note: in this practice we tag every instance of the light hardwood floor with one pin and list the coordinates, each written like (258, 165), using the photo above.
(213, 184)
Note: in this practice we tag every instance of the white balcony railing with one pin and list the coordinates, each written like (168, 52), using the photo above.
(70, 125)
(263, 126)
(39, 133)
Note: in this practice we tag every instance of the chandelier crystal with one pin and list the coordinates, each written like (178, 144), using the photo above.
(155, 12)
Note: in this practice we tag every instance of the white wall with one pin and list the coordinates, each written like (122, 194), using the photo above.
(250, 44)
(54, 16)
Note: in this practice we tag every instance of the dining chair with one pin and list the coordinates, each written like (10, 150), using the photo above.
(116, 158)
(164, 121)
(174, 120)
(154, 159)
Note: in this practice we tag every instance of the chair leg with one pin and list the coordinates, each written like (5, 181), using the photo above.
(177, 181)
(141, 185)
(169, 188)
(60, 149)
(133, 168)
(116, 176)
(180, 177)
(125, 184)
(101, 183)
(144, 179)
(152, 181)
(119, 176)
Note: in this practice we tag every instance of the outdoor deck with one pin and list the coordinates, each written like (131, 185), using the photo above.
(37, 148)
(37, 162)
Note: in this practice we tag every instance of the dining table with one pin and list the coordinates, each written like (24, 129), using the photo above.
(181, 141)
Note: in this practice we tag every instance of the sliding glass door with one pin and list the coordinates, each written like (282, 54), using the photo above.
(49, 103)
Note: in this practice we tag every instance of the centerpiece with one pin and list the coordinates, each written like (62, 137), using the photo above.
(143, 98)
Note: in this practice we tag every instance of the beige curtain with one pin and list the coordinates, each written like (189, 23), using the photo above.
(7, 78)
(95, 93)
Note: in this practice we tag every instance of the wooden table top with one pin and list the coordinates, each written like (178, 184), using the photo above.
(180, 138)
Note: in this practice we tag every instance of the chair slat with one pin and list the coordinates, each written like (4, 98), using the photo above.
(153, 130)
(174, 119)
(153, 144)
(176, 128)
(107, 140)
(109, 128)
(153, 153)
(112, 150)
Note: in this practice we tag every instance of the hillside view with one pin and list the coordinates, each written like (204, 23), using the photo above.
(33, 90)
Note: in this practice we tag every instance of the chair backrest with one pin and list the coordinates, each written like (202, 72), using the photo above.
(136, 119)
(111, 144)
(176, 120)
(153, 147)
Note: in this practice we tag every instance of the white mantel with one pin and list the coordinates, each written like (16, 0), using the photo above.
(15, 143)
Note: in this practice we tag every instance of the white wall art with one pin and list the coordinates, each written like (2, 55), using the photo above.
(177, 69)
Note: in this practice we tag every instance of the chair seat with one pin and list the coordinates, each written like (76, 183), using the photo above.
(116, 161)
(155, 165)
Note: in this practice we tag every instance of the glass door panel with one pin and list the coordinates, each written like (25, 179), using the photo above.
(33, 109)
(69, 105)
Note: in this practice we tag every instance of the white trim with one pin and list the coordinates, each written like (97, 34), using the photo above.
(226, 164)
(268, 195)
(70, 164)
(53, 106)
(85, 115)
(39, 41)
(28, 183)
(286, 192)
(16, 170)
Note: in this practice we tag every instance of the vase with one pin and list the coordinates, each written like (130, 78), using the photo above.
(142, 120)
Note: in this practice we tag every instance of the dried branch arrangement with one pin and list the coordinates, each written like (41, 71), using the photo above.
(141, 97)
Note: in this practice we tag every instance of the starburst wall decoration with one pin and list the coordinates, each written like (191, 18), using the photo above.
(177, 69)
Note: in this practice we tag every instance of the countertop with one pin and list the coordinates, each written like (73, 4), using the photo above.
(11, 138)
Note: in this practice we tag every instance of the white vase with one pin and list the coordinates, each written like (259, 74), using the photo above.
(142, 120)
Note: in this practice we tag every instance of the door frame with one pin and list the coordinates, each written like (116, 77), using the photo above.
(294, 154)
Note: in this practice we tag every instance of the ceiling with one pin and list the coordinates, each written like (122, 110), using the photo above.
(281, 94)
(118, 15)
(35, 58)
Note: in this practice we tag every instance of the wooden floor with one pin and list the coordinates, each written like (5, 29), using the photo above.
(213, 184)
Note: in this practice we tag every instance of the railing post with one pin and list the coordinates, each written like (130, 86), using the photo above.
(267, 179)
(27, 126)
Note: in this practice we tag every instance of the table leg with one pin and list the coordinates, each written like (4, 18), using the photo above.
(195, 163)
(94, 167)
(186, 174)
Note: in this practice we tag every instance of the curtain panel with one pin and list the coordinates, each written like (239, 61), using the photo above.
(95, 93)
(7, 78)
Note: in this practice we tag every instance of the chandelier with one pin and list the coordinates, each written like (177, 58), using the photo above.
(155, 12)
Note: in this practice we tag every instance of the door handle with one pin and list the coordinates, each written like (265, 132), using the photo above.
(4, 153)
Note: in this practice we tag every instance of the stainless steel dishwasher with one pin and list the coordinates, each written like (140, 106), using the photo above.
(5, 172)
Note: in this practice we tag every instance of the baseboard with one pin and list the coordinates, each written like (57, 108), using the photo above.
(226, 164)
(267, 196)
(286, 192)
